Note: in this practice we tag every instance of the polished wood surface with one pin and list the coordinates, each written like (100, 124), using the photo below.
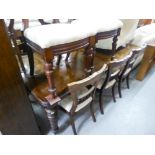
(16, 115)
(147, 61)
(67, 72)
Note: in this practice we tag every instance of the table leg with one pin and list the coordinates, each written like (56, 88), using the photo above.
(52, 117)
(89, 58)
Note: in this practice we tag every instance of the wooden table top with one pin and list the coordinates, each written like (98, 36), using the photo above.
(73, 70)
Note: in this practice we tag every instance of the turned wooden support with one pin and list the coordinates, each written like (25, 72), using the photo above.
(52, 98)
(13, 38)
(89, 56)
(52, 117)
(50, 78)
(114, 44)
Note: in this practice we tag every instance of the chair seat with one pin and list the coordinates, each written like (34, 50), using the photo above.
(99, 25)
(144, 34)
(138, 60)
(67, 102)
(127, 71)
(126, 35)
(111, 82)
(50, 35)
(46, 36)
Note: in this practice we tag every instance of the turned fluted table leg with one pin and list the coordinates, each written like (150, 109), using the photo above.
(52, 117)
(52, 98)
(89, 56)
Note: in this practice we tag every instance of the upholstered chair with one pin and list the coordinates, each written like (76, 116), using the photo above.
(126, 35)
(142, 36)
(110, 80)
(82, 94)
(102, 29)
(16, 28)
(125, 74)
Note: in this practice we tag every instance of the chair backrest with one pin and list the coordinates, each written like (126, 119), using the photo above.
(127, 31)
(89, 84)
(129, 65)
(114, 70)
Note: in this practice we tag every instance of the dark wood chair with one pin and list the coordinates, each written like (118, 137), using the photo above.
(15, 43)
(82, 93)
(110, 79)
(16, 32)
(125, 74)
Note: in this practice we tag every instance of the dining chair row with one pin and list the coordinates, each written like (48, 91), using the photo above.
(83, 92)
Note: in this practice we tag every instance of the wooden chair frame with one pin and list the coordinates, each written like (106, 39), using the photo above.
(91, 82)
(112, 76)
(125, 76)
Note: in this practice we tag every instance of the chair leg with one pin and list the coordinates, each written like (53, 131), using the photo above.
(92, 112)
(127, 81)
(21, 62)
(59, 59)
(31, 60)
(100, 103)
(68, 54)
(73, 124)
(113, 93)
(119, 88)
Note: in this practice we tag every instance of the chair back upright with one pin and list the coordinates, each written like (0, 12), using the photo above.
(90, 83)
(115, 68)
(129, 65)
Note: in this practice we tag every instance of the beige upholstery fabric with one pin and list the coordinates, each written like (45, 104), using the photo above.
(144, 34)
(56, 34)
(127, 71)
(138, 60)
(67, 102)
(126, 35)
(110, 83)
(100, 25)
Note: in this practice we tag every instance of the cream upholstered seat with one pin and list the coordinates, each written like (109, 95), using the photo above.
(67, 102)
(144, 34)
(126, 35)
(111, 82)
(51, 35)
(56, 34)
(99, 25)
(115, 69)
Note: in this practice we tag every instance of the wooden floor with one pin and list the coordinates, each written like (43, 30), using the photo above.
(66, 72)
